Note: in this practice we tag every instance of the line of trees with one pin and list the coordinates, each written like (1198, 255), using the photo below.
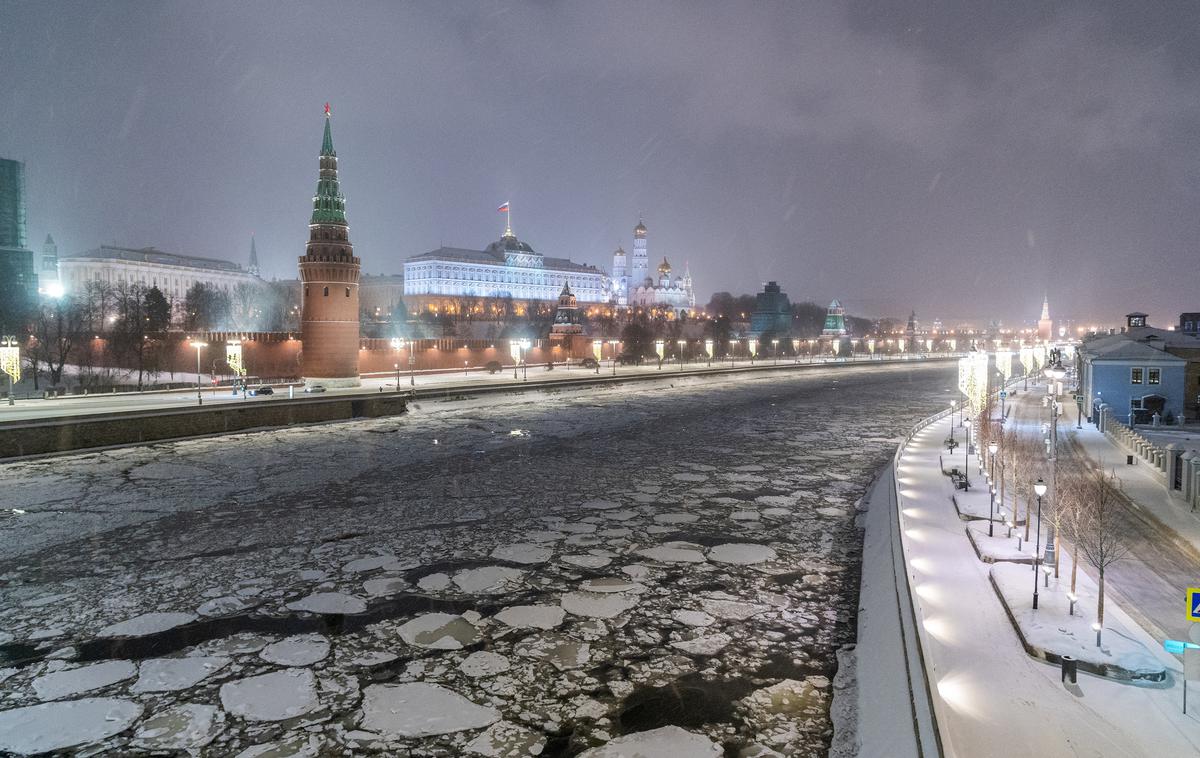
(808, 318)
(1085, 512)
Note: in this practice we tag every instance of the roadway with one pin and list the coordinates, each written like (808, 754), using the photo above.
(37, 409)
(1150, 582)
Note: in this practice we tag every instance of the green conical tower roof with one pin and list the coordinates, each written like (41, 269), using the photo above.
(327, 142)
(329, 205)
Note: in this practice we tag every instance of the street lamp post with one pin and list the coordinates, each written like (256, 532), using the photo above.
(412, 366)
(992, 448)
(397, 367)
(1056, 372)
(967, 455)
(952, 404)
(1039, 488)
(613, 346)
(775, 349)
(681, 344)
(524, 362)
(198, 345)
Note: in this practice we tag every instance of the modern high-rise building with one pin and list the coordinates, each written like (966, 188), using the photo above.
(18, 273)
(329, 274)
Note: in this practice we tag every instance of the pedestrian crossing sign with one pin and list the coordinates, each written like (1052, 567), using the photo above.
(1193, 603)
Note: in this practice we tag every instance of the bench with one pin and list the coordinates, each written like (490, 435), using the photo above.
(959, 479)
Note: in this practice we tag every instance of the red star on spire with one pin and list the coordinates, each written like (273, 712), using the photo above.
(326, 110)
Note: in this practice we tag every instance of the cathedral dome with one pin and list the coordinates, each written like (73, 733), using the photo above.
(664, 268)
(640, 229)
(620, 251)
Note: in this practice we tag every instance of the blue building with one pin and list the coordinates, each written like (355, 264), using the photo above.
(772, 312)
(1136, 373)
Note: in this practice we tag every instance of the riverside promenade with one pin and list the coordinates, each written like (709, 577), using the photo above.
(989, 697)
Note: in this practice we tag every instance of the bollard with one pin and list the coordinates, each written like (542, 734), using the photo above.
(1070, 669)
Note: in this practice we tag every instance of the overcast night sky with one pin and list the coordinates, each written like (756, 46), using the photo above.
(954, 158)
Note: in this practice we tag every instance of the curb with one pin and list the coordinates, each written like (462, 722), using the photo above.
(1106, 670)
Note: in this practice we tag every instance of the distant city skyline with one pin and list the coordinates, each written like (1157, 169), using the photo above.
(942, 159)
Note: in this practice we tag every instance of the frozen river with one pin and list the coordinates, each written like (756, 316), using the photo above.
(542, 572)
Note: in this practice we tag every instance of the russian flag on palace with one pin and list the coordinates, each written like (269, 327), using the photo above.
(503, 208)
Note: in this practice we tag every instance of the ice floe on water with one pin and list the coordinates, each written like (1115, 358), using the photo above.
(64, 723)
(484, 663)
(664, 742)
(73, 681)
(147, 623)
(275, 696)
(600, 605)
(741, 554)
(487, 580)
(186, 727)
(297, 650)
(523, 552)
(674, 552)
(439, 631)
(531, 616)
(419, 709)
(173, 674)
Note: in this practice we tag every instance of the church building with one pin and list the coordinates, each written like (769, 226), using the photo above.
(634, 287)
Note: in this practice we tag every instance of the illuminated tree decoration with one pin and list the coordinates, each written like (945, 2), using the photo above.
(1004, 360)
(10, 358)
(233, 356)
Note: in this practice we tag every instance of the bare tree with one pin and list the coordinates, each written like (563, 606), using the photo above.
(1074, 487)
(1097, 529)
(58, 329)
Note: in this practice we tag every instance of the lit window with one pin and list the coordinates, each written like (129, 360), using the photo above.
(1135, 375)
(1153, 375)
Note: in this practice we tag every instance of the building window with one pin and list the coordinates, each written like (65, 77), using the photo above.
(347, 292)
(327, 295)
(1135, 374)
(1153, 375)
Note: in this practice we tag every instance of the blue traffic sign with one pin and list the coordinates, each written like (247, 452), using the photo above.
(1003, 394)
(1193, 603)
(1178, 646)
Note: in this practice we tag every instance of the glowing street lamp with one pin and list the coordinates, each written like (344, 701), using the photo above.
(612, 345)
(598, 352)
(198, 345)
(658, 348)
(708, 348)
(1039, 489)
(681, 344)
(775, 349)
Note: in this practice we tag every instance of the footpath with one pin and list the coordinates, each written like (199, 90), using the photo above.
(990, 697)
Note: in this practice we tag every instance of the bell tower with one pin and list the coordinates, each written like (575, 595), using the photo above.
(329, 275)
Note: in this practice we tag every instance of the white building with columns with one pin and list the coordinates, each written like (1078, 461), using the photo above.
(173, 274)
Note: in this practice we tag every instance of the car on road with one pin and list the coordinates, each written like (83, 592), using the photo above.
(262, 389)
(315, 388)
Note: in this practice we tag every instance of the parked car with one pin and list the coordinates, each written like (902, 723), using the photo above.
(315, 388)
(493, 367)
(589, 362)
(262, 389)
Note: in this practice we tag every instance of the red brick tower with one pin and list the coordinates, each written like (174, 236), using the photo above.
(329, 273)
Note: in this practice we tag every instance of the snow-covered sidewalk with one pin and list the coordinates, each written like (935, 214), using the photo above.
(991, 698)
